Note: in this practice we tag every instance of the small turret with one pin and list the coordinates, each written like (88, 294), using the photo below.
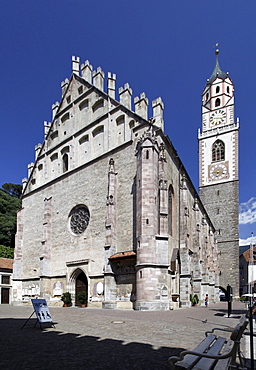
(75, 65)
(38, 147)
(24, 182)
(158, 107)
(47, 126)
(112, 85)
(30, 168)
(141, 105)
(54, 109)
(86, 69)
(98, 78)
(64, 85)
(125, 94)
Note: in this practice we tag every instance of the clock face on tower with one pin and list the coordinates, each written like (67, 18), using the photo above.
(218, 117)
(218, 171)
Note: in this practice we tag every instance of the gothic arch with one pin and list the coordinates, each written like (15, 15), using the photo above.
(218, 151)
(78, 282)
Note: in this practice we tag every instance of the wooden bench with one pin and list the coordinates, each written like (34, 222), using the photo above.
(214, 352)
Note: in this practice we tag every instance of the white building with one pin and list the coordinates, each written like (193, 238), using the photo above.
(6, 266)
(247, 270)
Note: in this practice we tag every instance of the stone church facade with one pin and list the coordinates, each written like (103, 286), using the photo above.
(109, 208)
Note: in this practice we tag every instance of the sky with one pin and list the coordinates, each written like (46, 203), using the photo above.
(164, 48)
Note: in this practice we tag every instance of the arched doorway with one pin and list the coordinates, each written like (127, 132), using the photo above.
(81, 286)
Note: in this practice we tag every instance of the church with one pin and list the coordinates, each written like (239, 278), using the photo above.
(108, 207)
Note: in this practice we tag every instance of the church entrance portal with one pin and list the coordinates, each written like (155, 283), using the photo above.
(81, 286)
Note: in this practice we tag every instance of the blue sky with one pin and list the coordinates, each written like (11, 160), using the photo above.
(163, 48)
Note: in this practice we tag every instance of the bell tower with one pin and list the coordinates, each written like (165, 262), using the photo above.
(218, 170)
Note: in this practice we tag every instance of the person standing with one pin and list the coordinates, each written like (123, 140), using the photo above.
(206, 301)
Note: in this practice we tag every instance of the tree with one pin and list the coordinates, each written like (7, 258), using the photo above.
(6, 252)
(15, 190)
(9, 205)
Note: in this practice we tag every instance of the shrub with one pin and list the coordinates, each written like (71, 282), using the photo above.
(82, 297)
(66, 298)
(196, 299)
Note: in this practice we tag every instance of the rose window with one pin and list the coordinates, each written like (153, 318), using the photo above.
(79, 219)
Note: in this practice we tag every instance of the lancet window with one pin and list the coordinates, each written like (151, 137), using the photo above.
(218, 151)
(170, 210)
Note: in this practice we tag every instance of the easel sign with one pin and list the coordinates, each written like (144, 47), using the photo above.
(42, 312)
(41, 309)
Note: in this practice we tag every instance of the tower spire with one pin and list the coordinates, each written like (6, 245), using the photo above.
(217, 71)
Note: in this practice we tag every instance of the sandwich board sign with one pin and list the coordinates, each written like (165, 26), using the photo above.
(41, 310)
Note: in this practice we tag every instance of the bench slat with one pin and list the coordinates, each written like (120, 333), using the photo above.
(190, 360)
(207, 363)
(211, 346)
(223, 364)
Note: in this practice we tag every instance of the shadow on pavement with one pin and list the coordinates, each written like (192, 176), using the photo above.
(233, 312)
(31, 348)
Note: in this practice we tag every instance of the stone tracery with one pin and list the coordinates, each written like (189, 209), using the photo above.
(79, 219)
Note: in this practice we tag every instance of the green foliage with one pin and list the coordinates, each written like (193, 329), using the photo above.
(9, 205)
(82, 297)
(194, 299)
(243, 299)
(15, 190)
(6, 252)
(66, 298)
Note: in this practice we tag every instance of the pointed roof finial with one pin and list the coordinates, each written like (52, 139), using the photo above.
(217, 71)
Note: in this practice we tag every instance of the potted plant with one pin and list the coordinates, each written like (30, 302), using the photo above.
(196, 299)
(66, 299)
(82, 298)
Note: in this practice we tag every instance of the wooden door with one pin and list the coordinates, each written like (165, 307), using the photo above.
(81, 285)
(5, 293)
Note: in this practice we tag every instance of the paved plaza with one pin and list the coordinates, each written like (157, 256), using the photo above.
(87, 338)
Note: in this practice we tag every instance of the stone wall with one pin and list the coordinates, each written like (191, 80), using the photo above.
(221, 202)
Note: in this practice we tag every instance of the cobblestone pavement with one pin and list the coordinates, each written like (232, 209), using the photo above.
(87, 338)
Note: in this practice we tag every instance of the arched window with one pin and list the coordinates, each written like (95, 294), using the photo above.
(65, 117)
(84, 104)
(84, 139)
(98, 130)
(170, 210)
(217, 102)
(65, 162)
(218, 151)
(217, 89)
(120, 120)
(131, 124)
(98, 104)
